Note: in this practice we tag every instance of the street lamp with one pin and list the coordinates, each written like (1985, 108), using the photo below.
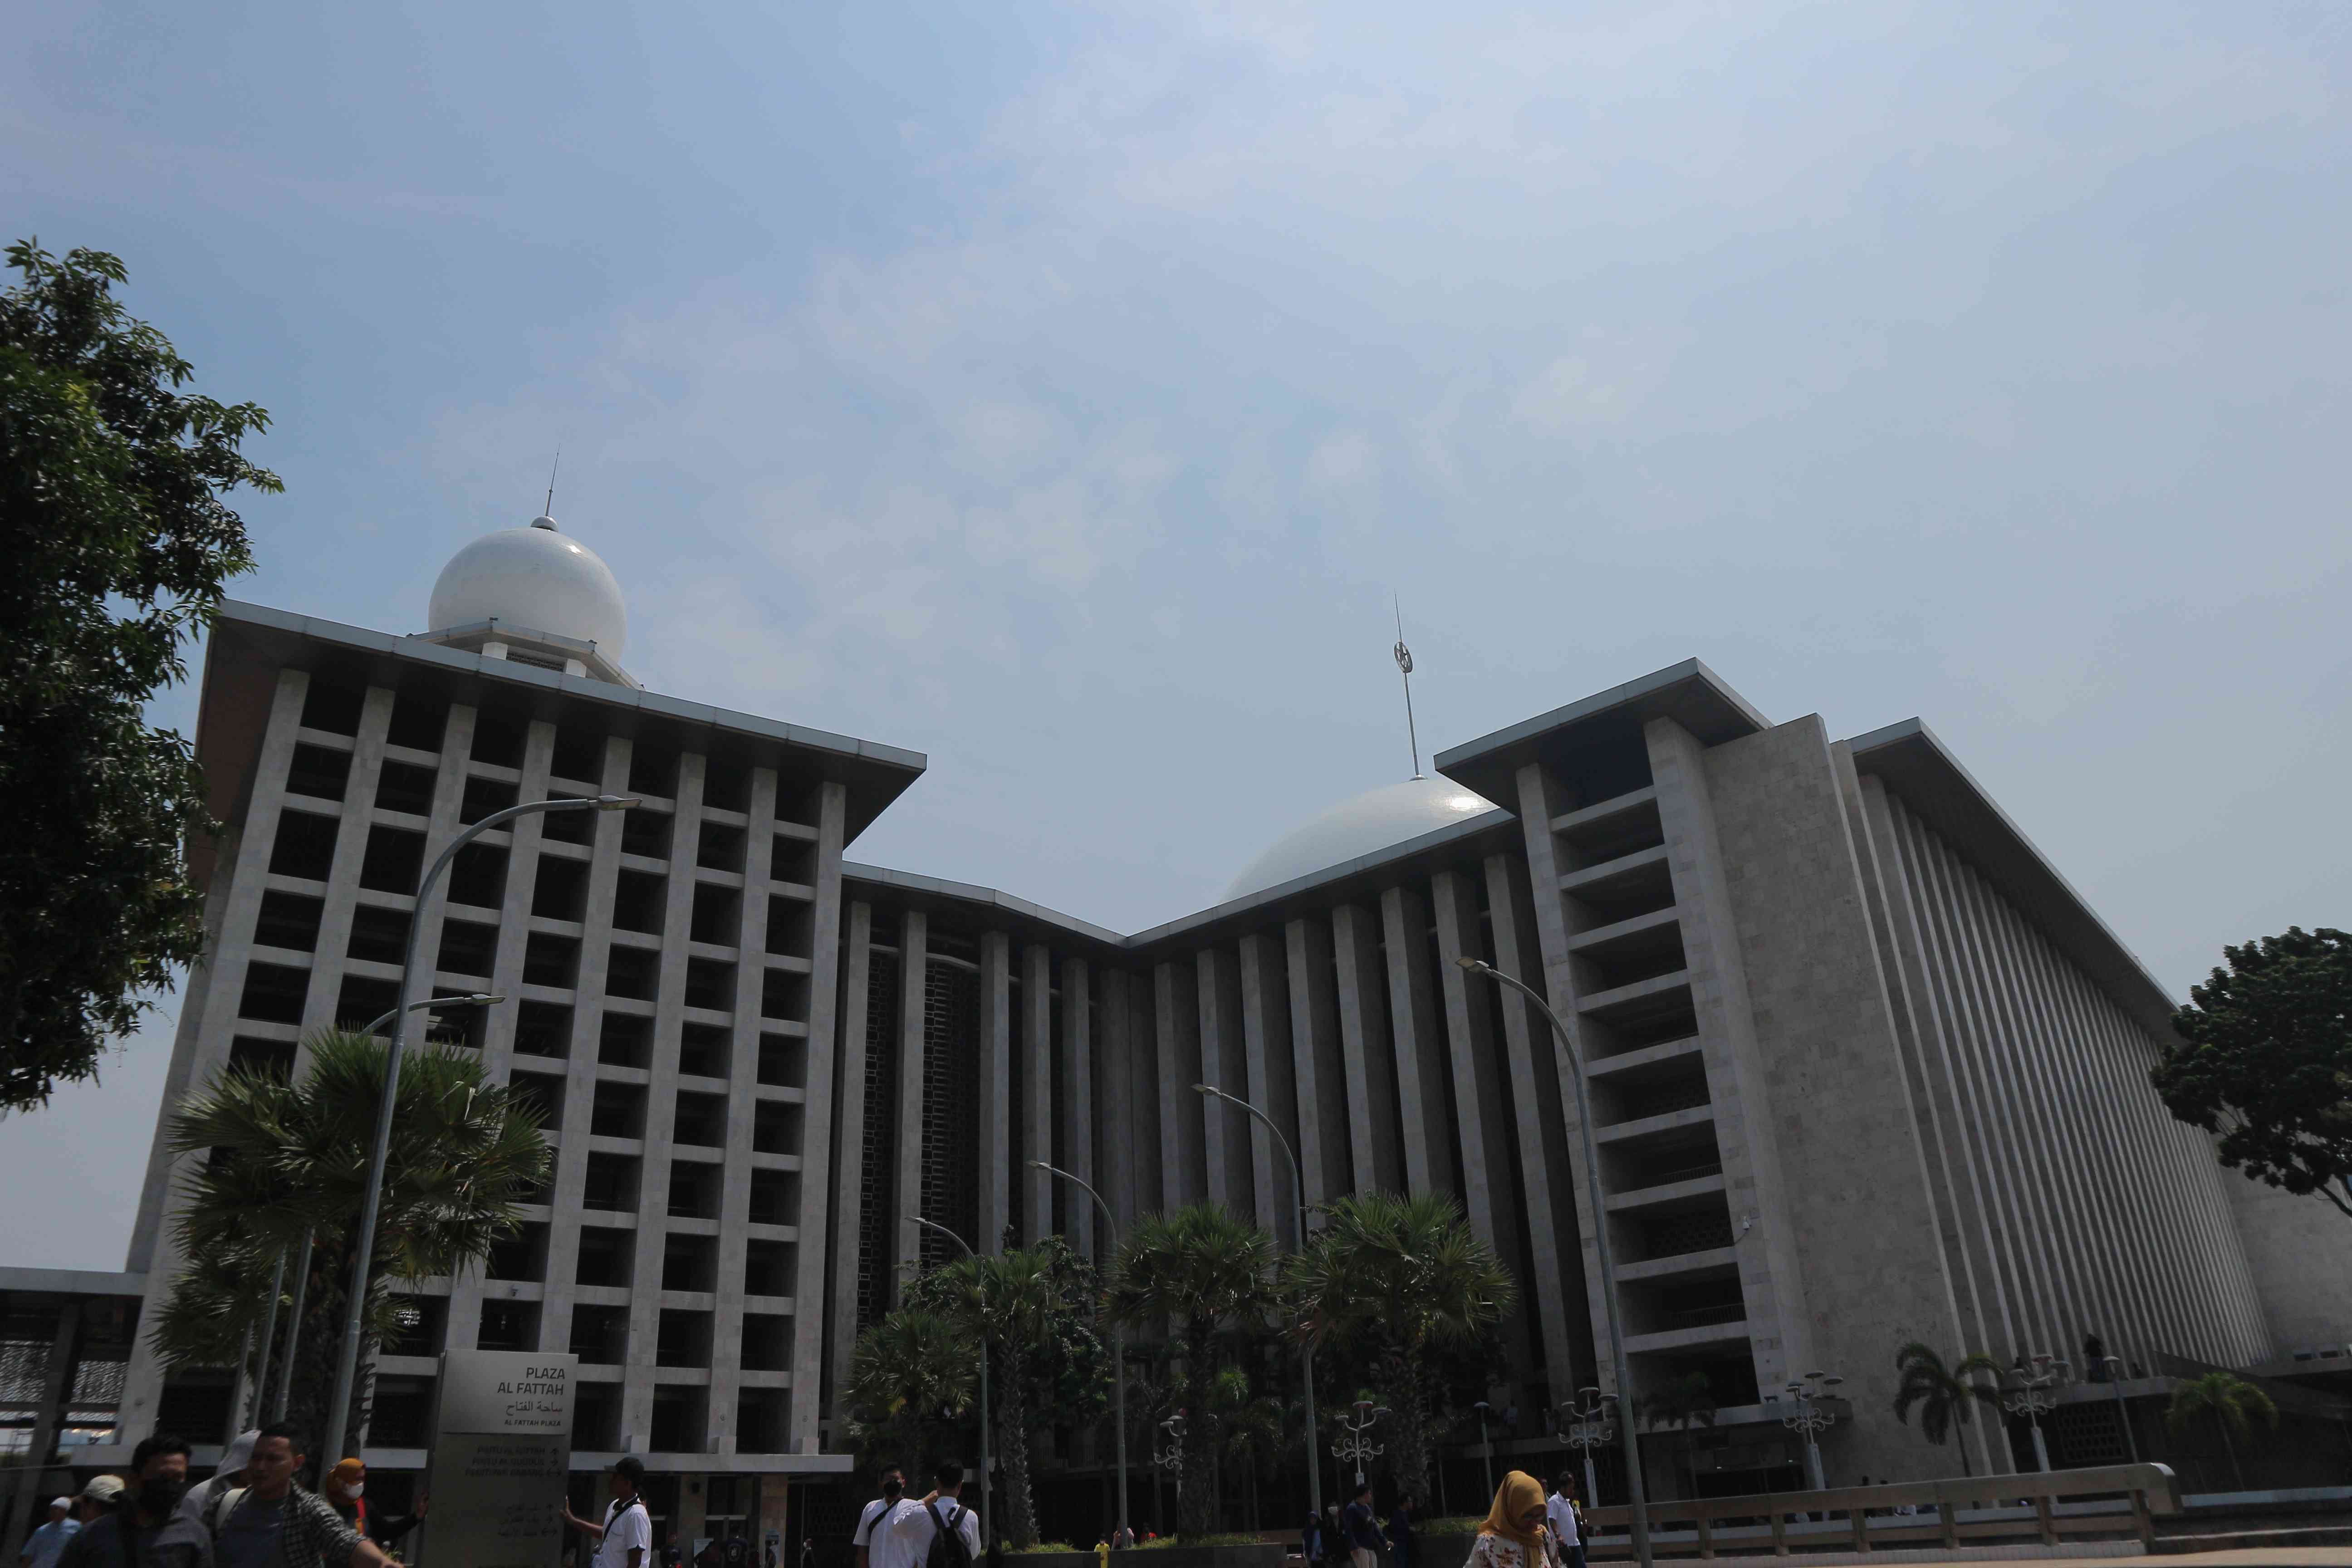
(987, 1504)
(1638, 1512)
(1812, 1418)
(2115, 1365)
(1355, 1446)
(2036, 1396)
(1588, 1427)
(1118, 1330)
(1171, 1459)
(1485, 1445)
(347, 1365)
(1306, 1351)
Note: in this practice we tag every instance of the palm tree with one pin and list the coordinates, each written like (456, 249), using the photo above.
(2232, 1402)
(1676, 1403)
(911, 1387)
(1945, 1398)
(1200, 1268)
(288, 1160)
(1406, 1278)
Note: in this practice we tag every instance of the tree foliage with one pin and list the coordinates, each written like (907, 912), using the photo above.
(114, 547)
(1400, 1284)
(283, 1159)
(913, 1387)
(2265, 1060)
(2235, 1404)
(1943, 1396)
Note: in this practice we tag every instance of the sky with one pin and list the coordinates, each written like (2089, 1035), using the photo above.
(1071, 392)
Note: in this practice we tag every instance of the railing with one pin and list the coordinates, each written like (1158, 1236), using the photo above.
(1871, 1523)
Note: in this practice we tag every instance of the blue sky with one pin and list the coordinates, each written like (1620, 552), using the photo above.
(1064, 390)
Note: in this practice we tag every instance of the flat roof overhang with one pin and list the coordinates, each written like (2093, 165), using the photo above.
(248, 643)
(1689, 693)
(1909, 759)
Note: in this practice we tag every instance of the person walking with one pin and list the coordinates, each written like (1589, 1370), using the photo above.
(1361, 1528)
(346, 1492)
(46, 1544)
(98, 1499)
(1566, 1524)
(626, 1539)
(228, 1476)
(1402, 1554)
(1514, 1534)
(918, 1522)
(146, 1528)
(894, 1486)
(1310, 1540)
(271, 1522)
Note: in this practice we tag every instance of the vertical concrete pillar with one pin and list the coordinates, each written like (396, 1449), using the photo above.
(1227, 1130)
(914, 994)
(1154, 1187)
(816, 1148)
(1036, 1187)
(1079, 1114)
(1183, 1154)
(995, 1090)
(744, 1093)
(849, 1166)
(1120, 1130)
(1266, 1036)
(1372, 1142)
(1315, 1064)
(1420, 1042)
(1553, 1279)
(319, 1003)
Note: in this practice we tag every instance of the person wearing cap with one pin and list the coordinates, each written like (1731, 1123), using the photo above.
(98, 1499)
(626, 1539)
(345, 1491)
(43, 1545)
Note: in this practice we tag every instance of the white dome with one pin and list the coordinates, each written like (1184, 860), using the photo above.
(536, 578)
(1356, 827)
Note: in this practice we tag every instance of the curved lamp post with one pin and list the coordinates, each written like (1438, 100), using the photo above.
(987, 1501)
(1171, 1459)
(2036, 1396)
(1357, 1446)
(1588, 1427)
(347, 1365)
(1638, 1512)
(2114, 1364)
(1306, 1351)
(1118, 1330)
(1812, 1418)
(1485, 1445)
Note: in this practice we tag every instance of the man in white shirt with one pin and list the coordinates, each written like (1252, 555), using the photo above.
(915, 1523)
(626, 1539)
(1560, 1508)
(894, 1486)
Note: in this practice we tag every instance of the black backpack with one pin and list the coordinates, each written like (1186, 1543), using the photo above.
(948, 1549)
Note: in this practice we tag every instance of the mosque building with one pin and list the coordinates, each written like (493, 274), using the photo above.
(1863, 1069)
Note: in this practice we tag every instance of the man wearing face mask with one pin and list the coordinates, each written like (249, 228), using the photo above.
(273, 1523)
(894, 1486)
(147, 1529)
(346, 1493)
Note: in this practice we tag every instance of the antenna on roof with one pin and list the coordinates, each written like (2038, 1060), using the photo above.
(1404, 669)
(549, 510)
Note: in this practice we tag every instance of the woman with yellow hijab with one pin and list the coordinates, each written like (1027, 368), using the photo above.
(1513, 1535)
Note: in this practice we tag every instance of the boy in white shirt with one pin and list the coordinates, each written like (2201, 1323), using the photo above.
(915, 1523)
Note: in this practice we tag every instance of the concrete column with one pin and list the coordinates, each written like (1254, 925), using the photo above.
(1266, 1042)
(1481, 1104)
(1552, 1278)
(849, 1197)
(995, 1089)
(1372, 1140)
(1539, 800)
(1153, 1186)
(744, 1094)
(1036, 1187)
(1077, 1072)
(1315, 1064)
(1418, 1041)
(816, 1153)
(1226, 1130)
(914, 1000)
(207, 1025)
(1183, 1155)
(30, 1509)
(1117, 1131)
(319, 1003)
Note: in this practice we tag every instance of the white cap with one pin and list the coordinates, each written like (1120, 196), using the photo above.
(61, 1502)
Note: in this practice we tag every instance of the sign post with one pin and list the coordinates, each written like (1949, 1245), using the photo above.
(502, 1454)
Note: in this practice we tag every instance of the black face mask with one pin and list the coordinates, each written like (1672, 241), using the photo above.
(160, 1495)
(892, 1488)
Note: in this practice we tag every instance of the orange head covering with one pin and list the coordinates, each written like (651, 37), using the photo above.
(346, 1471)
(1518, 1493)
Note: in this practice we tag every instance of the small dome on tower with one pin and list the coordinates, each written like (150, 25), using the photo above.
(1359, 825)
(535, 578)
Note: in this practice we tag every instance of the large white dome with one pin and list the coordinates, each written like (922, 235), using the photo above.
(536, 578)
(1358, 827)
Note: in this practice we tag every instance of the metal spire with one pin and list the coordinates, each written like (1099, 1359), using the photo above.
(549, 510)
(1405, 668)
